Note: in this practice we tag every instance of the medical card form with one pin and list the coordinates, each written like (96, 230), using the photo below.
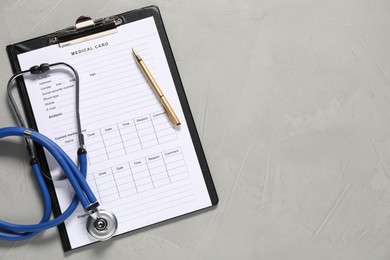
(140, 167)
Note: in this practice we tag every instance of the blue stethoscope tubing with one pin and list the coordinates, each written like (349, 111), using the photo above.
(75, 174)
(76, 177)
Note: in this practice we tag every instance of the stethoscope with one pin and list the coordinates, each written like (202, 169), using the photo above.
(101, 224)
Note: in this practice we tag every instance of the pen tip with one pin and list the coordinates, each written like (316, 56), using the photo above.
(136, 55)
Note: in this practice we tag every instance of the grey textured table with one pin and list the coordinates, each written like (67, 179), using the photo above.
(291, 100)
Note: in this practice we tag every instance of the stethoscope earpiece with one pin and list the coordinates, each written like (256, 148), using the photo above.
(44, 67)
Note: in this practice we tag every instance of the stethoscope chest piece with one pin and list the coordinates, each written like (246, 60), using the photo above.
(103, 227)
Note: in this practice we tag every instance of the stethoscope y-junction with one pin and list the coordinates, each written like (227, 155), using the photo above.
(101, 224)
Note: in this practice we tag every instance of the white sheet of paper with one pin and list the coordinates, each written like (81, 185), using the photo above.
(140, 167)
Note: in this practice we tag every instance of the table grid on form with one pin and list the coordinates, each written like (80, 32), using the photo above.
(138, 176)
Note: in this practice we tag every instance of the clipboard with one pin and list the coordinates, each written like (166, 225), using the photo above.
(74, 40)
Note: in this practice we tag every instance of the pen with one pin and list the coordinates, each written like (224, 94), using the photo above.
(171, 114)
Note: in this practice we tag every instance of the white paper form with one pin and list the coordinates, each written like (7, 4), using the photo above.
(140, 167)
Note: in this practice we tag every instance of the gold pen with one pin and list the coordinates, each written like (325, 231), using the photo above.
(171, 114)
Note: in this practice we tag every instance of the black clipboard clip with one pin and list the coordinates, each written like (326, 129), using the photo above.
(86, 29)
